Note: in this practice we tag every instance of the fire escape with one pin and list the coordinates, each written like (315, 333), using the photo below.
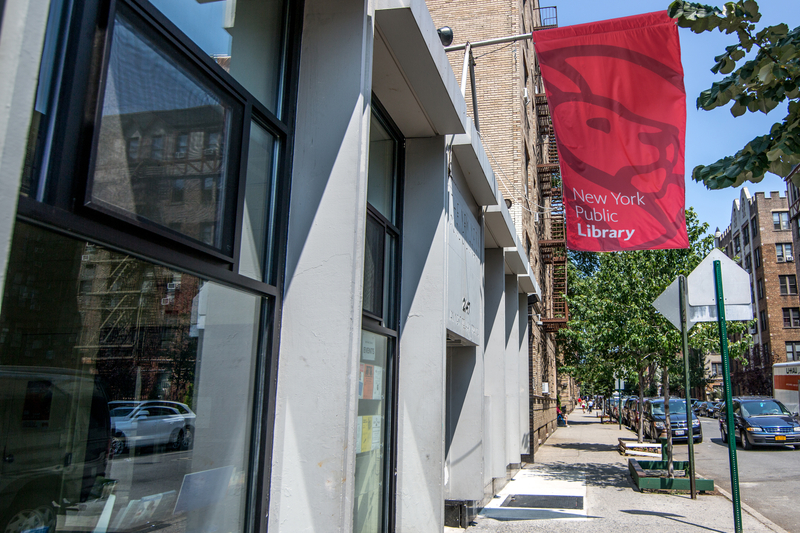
(552, 239)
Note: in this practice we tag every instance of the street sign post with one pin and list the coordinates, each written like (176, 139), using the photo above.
(620, 384)
(687, 302)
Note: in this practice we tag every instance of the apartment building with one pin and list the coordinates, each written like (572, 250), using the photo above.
(505, 96)
(760, 238)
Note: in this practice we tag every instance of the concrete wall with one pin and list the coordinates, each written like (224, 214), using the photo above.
(522, 374)
(312, 480)
(422, 361)
(511, 364)
(21, 42)
(465, 422)
(494, 364)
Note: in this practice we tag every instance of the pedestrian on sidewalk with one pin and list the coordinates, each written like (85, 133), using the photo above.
(561, 415)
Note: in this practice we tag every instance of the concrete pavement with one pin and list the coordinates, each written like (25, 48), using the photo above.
(580, 483)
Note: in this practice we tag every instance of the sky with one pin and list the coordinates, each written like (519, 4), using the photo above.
(710, 135)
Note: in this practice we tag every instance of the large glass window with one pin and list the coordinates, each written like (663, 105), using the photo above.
(374, 452)
(370, 434)
(138, 373)
(106, 395)
(258, 226)
(151, 97)
(245, 37)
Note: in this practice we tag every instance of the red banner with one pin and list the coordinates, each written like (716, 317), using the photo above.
(616, 96)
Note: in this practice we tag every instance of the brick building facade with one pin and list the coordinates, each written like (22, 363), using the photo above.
(514, 123)
(760, 237)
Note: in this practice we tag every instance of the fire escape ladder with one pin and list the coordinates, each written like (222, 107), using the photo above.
(552, 243)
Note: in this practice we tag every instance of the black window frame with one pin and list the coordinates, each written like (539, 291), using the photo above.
(83, 43)
(757, 254)
(389, 326)
(74, 130)
(754, 225)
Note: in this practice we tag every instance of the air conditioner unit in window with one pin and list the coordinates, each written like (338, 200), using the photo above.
(172, 285)
(790, 258)
(525, 97)
(180, 154)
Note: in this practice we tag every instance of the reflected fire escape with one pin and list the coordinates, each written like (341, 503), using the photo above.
(552, 240)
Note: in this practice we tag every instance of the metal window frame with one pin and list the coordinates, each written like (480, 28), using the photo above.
(76, 94)
(375, 324)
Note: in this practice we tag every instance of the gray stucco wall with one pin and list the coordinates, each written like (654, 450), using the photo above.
(523, 374)
(422, 378)
(315, 416)
(494, 363)
(21, 42)
(511, 364)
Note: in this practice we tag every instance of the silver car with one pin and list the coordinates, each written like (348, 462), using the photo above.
(150, 425)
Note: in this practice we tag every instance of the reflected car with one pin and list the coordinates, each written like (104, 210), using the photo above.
(151, 425)
(655, 420)
(761, 421)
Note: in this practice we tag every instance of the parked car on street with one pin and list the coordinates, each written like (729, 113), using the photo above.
(655, 420)
(761, 421)
(632, 413)
(710, 409)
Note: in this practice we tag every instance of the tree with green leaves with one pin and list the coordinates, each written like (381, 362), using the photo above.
(758, 84)
(613, 327)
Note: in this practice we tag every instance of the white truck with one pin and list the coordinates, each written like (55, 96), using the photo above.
(785, 378)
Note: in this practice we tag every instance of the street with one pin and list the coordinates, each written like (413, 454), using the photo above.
(769, 478)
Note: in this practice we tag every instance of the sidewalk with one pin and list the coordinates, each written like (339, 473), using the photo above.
(580, 470)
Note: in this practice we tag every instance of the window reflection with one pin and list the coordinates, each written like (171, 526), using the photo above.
(103, 404)
(243, 36)
(257, 226)
(153, 107)
(370, 431)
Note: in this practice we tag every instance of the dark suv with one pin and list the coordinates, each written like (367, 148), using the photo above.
(629, 408)
(761, 421)
(655, 420)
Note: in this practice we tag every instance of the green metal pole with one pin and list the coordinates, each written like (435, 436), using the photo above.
(689, 425)
(726, 375)
(619, 404)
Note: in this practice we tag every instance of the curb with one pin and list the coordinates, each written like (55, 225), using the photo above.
(755, 514)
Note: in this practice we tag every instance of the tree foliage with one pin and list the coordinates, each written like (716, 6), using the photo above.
(753, 84)
(613, 327)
